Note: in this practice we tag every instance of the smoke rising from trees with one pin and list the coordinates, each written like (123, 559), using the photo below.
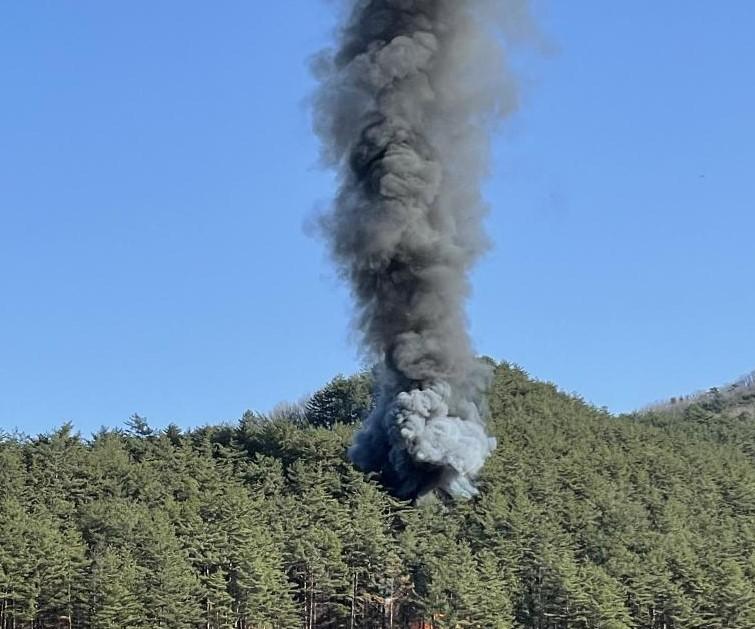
(405, 109)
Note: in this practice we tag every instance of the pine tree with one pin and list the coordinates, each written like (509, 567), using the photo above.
(169, 586)
(116, 584)
(342, 400)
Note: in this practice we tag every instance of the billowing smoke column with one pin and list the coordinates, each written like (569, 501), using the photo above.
(404, 109)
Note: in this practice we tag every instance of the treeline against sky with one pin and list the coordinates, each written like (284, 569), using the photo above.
(584, 520)
(735, 397)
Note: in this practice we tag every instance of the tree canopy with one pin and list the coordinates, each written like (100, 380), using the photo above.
(584, 520)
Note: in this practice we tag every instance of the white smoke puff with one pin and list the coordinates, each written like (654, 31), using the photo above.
(434, 437)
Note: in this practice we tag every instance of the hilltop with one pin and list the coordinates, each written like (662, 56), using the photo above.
(584, 520)
(733, 398)
(725, 414)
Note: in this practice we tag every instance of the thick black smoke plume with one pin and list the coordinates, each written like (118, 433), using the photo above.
(404, 110)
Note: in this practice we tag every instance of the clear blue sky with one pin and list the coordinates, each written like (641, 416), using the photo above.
(157, 168)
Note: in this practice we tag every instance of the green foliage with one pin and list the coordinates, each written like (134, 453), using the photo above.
(342, 400)
(584, 521)
(114, 589)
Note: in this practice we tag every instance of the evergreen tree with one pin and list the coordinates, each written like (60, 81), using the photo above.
(342, 400)
(116, 583)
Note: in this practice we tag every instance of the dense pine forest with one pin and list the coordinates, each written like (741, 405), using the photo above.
(584, 520)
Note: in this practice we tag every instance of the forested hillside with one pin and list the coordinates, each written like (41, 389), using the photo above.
(725, 414)
(584, 520)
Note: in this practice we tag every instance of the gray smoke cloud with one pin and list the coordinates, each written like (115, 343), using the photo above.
(404, 110)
